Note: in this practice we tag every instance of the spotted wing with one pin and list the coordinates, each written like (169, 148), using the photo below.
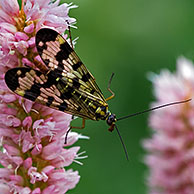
(49, 90)
(58, 55)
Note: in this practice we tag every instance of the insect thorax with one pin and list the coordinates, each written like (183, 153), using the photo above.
(102, 112)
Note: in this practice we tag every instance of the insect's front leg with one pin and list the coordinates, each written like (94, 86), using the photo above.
(73, 127)
(108, 88)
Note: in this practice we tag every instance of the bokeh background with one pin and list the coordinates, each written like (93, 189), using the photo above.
(130, 38)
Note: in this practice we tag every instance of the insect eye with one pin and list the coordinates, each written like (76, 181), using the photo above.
(111, 119)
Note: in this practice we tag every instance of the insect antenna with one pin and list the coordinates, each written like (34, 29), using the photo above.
(154, 108)
(122, 142)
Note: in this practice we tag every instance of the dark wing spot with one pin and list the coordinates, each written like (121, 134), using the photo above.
(45, 35)
(86, 77)
(50, 100)
(46, 61)
(77, 65)
(92, 91)
(79, 108)
(11, 77)
(76, 83)
(51, 79)
(63, 106)
(33, 93)
(61, 55)
(66, 47)
(68, 94)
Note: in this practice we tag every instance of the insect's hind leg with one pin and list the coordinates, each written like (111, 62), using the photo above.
(69, 29)
(72, 127)
(108, 88)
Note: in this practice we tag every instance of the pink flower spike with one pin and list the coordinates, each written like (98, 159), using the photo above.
(27, 163)
(32, 135)
(170, 149)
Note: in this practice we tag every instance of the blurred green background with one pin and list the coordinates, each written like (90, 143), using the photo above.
(130, 38)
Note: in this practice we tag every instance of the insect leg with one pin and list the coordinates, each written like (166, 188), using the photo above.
(72, 127)
(70, 34)
(108, 88)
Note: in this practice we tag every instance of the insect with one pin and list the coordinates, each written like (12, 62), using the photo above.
(67, 86)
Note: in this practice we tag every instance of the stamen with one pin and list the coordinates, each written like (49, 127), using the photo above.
(78, 162)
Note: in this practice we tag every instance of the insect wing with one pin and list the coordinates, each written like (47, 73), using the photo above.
(45, 89)
(58, 55)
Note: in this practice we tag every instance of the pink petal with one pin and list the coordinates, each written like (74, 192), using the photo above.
(5, 189)
(17, 160)
(48, 169)
(4, 17)
(36, 176)
(4, 173)
(31, 42)
(11, 150)
(11, 7)
(49, 190)
(36, 191)
(67, 157)
(28, 105)
(27, 122)
(52, 150)
(36, 150)
(10, 120)
(7, 98)
(16, 179)
(37, 123)
(25, 61)
(21, 36)
(8, 27)
(29, 28)
(22, 47)
(27, 163)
